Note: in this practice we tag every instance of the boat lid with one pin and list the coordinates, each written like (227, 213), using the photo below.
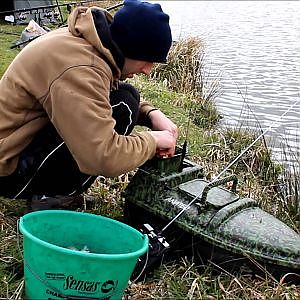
(217, 196)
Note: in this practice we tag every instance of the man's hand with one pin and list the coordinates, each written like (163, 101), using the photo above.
(165, 143)
(161, 122)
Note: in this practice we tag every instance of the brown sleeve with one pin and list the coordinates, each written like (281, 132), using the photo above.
(79, 108)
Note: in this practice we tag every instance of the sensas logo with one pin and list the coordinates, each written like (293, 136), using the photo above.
(89, 286)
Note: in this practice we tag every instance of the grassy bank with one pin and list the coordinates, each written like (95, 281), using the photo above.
(213, 147)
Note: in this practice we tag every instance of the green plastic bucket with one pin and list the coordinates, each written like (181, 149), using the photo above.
(54, 271)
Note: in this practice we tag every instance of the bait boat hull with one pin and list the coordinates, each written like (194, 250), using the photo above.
(219, 225)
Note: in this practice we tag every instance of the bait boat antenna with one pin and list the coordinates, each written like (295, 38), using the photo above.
(229, 165)
(184, 146)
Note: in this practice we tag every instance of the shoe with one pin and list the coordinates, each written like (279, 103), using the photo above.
(58, 202)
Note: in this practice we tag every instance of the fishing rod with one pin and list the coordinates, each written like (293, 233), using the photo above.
(213, 182)
(22, 10)
(18, 44)
(49, 11)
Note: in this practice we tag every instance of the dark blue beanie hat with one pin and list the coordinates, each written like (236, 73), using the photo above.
(142, 31)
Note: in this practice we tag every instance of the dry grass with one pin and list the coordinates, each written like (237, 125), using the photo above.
(185, 61)
(184, 281)
(186, 72)
(288, 192)
(11, 267)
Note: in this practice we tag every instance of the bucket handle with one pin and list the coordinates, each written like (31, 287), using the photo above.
(59, 294)
(30, 269)
(143, 269)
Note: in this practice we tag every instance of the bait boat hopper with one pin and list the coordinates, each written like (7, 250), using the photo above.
(218, 218)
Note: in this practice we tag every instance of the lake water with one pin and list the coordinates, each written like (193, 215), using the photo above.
(254, 46)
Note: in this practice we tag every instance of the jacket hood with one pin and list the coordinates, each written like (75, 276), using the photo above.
(81, 23)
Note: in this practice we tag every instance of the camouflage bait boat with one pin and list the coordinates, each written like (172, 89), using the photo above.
(189, 212)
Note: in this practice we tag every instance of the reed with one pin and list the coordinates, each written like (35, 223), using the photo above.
(186, 72)
(288, 191)
(185, 62)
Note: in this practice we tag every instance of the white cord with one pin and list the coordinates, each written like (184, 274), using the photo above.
(22, 190)
(130, 114)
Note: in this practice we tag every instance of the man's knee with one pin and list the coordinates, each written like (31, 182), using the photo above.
(130, 88)
(125, 102)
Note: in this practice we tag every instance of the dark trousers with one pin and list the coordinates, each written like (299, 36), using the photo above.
(46, 166)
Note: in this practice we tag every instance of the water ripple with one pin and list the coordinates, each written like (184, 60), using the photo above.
(255, 45)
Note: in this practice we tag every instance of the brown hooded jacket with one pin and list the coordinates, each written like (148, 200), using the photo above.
(65, 77)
